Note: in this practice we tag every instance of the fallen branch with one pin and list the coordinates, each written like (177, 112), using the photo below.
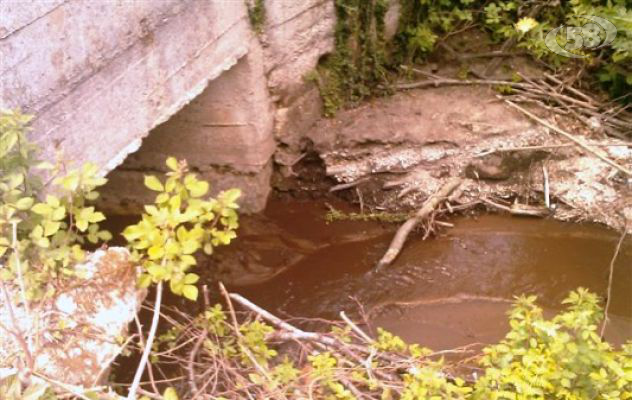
(545, 183)
(402, 233)
(349, 185)
(148, 344)
(570, 137)
(609, 292)
(296, 333)
(519, 209)
(544, 147)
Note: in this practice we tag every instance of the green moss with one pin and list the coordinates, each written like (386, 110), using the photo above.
(357, 67)
(336, 215)
(256, 14)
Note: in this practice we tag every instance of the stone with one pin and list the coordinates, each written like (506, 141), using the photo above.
(76, 335)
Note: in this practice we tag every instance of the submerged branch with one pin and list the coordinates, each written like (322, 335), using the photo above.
(402, 233)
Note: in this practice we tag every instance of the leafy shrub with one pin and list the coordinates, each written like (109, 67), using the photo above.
(41, 238)
(561, 358)
(44, 230)
(178, 224)
(424, 20)
(558, 358)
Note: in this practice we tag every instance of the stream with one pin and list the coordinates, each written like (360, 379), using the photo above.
(450, 290)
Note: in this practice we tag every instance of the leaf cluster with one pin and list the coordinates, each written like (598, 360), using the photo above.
(558, 358)
(179, 223)
(42, 230)
(526, 22)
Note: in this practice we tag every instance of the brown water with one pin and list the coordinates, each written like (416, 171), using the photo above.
(450, 290)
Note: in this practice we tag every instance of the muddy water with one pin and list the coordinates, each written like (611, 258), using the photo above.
(448, 291)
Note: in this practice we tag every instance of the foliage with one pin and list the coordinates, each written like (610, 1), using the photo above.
(560, 358)
(178, 224)
(381, 216)
(360, 63)
(357, 67)
(256, 14)
(41, 239)
(44, 231)
(526, 22)
(423, 21)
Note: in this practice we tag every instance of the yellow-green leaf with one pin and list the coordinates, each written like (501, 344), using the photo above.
(24, 203)
(170, 394)
(198, 188)
(153, 183)
(189, 246)
(82, 224)
(51, 227)
(42, 209)
(190, 292)
(59, 213)
(172, 163)
(190, 279)
(96, 217)
(155, 252)
(144, 281)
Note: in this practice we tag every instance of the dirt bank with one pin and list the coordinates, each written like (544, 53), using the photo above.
(402, 148)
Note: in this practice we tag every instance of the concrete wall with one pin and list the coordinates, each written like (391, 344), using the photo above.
(257, 109)
(187, 78)
(99, 75)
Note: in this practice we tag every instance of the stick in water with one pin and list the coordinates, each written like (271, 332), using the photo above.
(402, 233)
(609, 293)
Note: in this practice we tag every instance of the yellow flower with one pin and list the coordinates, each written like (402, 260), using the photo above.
(526, 24)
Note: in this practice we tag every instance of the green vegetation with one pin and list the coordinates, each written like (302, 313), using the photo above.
(41, 239)
(179, 224)
(43, 236)
(360, 64)
(256, 14)
(337, 215)
(357, 67)
(558, 358)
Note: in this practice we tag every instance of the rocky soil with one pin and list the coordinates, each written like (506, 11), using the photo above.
(402, 148)
(75, 336)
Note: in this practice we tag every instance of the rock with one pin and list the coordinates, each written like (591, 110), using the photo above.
(490, 167)
(76, 335)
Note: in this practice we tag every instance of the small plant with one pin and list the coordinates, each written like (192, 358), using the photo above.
(43, 236)
(171, 231)
(41, 239)
(256, 14)
(560, 358)
(178, 224)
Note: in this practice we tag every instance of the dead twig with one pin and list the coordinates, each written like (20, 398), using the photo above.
(611, 273)
(343, 186)
(240, 338)
(567, 135)
(518, 209)
(196, 348)
(545, 183)
(544, 147)
(402, 233)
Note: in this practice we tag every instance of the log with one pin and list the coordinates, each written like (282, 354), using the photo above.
(402, 233)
